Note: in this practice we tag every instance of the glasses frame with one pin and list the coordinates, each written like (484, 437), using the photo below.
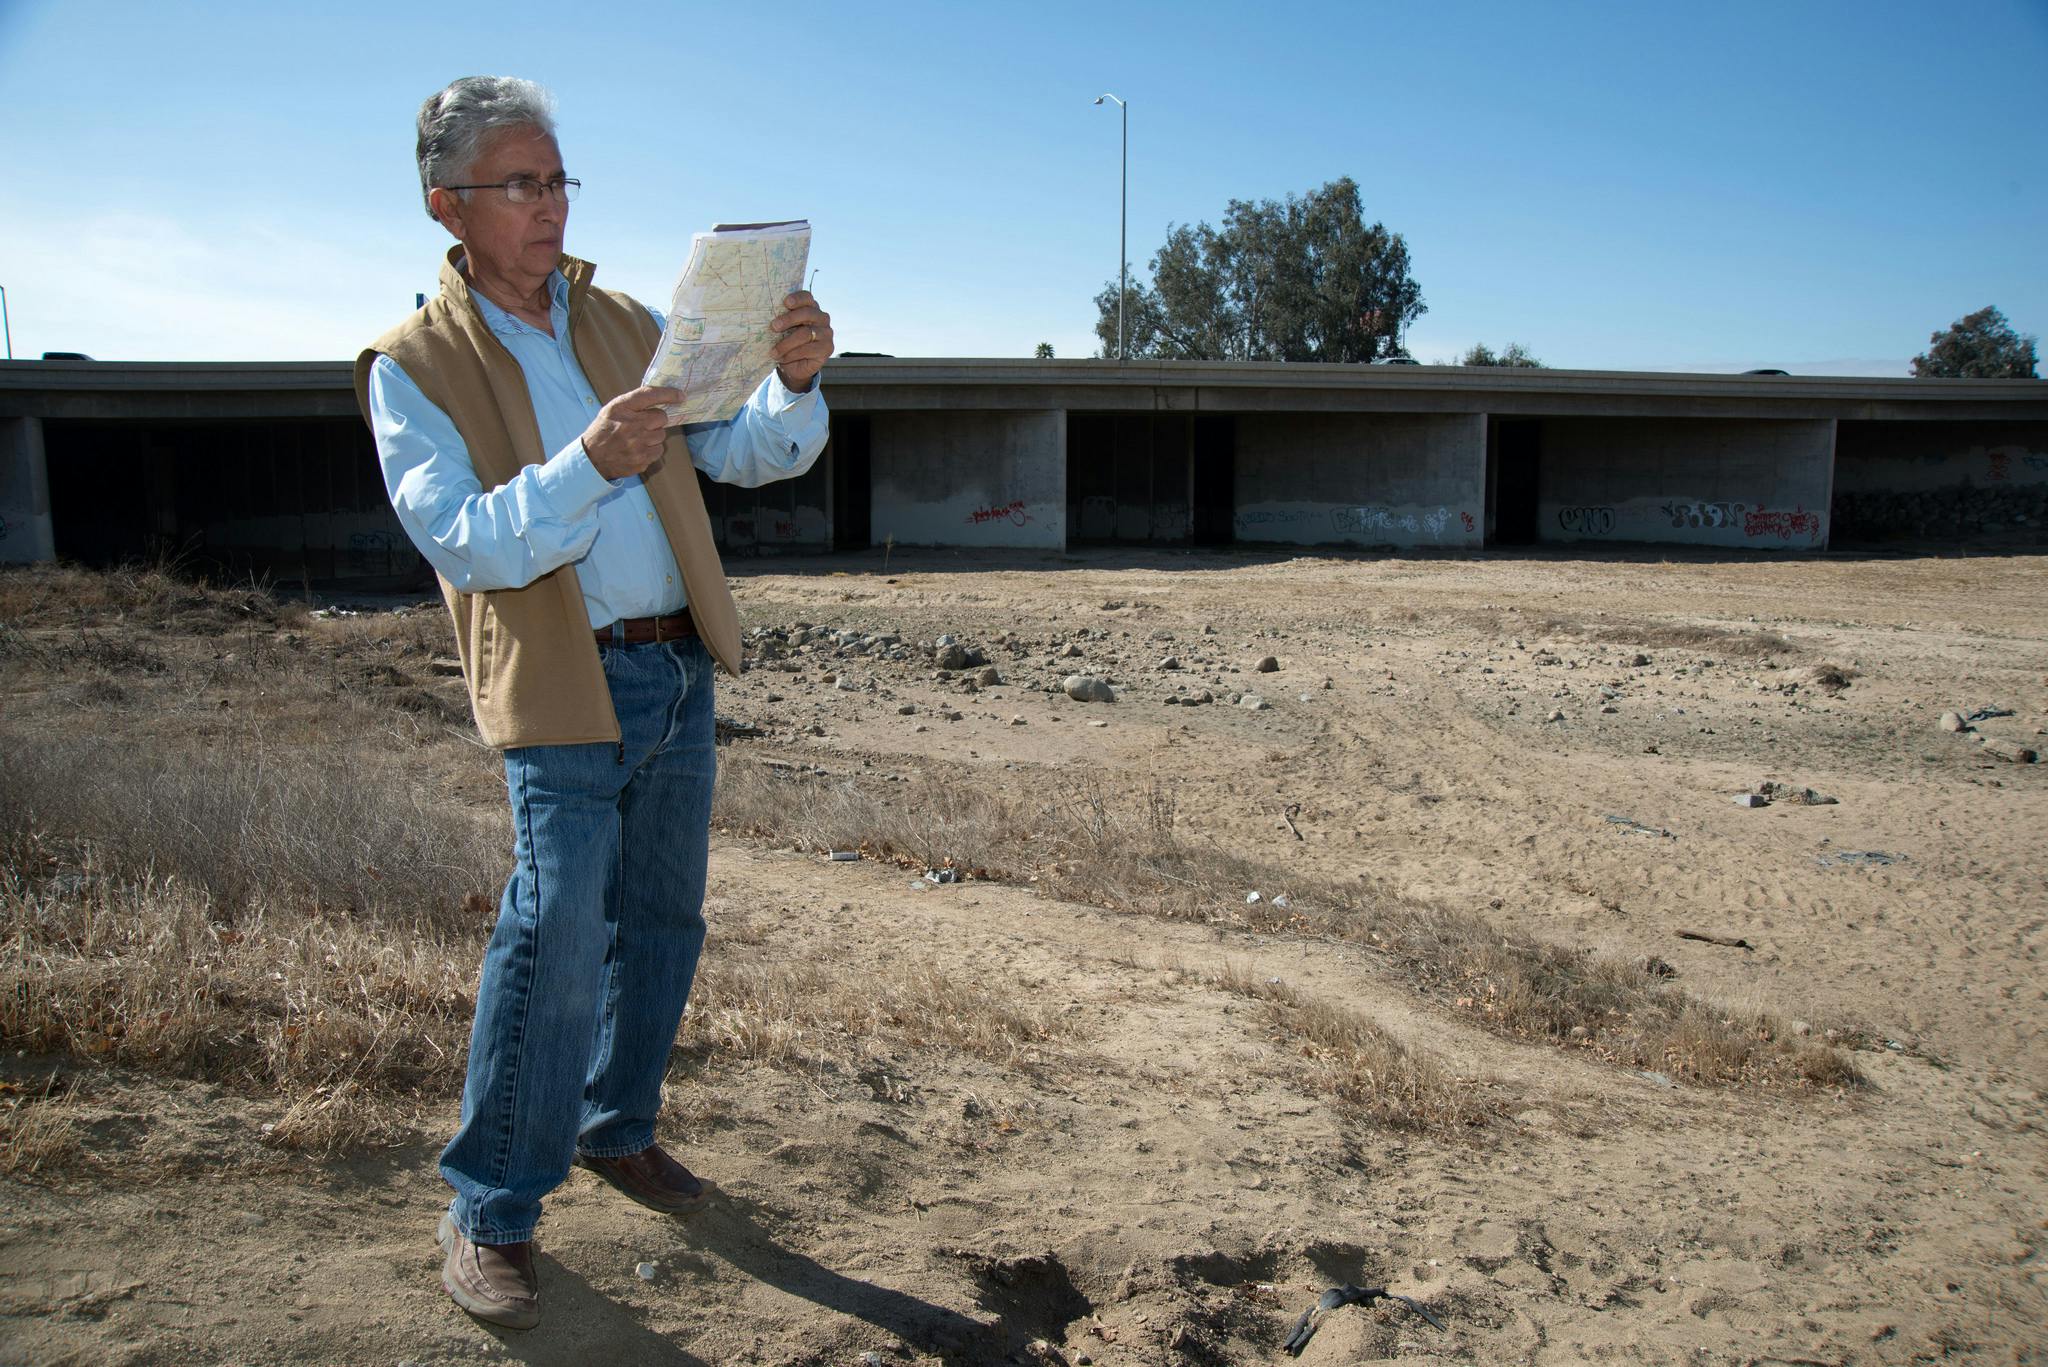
(564, 188)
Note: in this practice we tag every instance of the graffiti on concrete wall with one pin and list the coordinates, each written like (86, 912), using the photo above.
(377, 541)
(1781, 524)
(1696, 513)
(1016, 512)
(1270, 517)
(1589, 521)
(2001, 467)
(1467, 519)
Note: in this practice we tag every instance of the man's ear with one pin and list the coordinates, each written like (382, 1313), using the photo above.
(448, 207)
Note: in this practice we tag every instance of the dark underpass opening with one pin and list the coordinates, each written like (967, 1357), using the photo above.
(1150, 478)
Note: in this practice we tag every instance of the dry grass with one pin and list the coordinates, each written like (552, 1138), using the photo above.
(1365, 1070)
(161, 595)
(308, 1006)
(1085, 844)
(800, 1016)
(39, 1131)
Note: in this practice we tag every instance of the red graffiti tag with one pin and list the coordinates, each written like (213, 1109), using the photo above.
(2000, 472)
(1467, 519)
(1015, 512)
(785, 529)
(1781, 524)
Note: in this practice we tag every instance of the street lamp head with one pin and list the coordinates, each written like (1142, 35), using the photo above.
(1100, 98)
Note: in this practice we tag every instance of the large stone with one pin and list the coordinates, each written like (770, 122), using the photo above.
(1088, 688)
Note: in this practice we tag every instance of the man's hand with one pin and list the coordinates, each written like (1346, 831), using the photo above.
(806, 341)
(628, 433)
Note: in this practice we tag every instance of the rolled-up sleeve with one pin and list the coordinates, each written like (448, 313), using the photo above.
(478, 539)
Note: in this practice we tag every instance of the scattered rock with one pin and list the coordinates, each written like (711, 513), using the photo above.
(1751, 800)
(1555, 715)
(956, 656)
(1267, 665)
(445, 667)
(1170, 662)
(989, 677)
(1070, 651)
(1088, 688)
(1252, 702)
(645, 1272)
(908, 709)
(1953, 721)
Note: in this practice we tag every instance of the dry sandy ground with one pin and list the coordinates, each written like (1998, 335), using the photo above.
(1158, 1183)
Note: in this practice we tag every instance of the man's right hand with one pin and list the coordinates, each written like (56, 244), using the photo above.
(628, 434)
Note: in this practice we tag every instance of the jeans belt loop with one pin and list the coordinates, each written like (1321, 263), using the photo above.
(619, 632)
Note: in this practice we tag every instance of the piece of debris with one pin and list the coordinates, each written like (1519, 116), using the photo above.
(942, 875)
(1657, 968)
(1336, 1298)
(1726, 941)
(1797, 797)
(645, 1272)
(2008, 750)
(1857, 858)
(1986, 714)
(1251, 897)
(1630, 826)
(845, 856)
(1288, 817)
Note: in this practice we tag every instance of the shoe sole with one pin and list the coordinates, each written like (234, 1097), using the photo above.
(488, 1311)
(702, 1199)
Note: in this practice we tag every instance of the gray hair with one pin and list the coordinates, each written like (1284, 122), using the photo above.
(455, 122)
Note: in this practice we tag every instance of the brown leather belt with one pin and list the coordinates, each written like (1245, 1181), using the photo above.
(638, 631)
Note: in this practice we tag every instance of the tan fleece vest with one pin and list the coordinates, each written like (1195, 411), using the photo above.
(528, 654)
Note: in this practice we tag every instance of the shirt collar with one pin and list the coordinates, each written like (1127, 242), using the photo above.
(504, 324)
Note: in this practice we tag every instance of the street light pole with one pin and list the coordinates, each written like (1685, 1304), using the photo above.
(1123, 183)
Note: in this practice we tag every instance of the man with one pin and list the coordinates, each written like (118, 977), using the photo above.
(562, 514)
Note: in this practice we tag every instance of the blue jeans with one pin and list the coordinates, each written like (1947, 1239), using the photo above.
(596, 944)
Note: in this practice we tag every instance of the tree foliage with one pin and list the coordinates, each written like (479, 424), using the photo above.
(1044, 352)
(1516, 356)
(1981, 346)
(1304, 280)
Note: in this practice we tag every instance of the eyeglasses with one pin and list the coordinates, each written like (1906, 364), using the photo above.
(525, 189)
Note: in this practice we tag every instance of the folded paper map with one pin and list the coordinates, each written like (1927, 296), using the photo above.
(717, 347)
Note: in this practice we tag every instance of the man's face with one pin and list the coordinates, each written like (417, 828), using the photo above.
(507, 240)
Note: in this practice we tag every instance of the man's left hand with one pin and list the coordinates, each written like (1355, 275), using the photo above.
(806, 341)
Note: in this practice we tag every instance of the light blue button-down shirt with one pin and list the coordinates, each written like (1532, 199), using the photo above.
(563, 511)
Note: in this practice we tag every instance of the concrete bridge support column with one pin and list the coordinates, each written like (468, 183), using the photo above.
(970, 479)
(27, 535)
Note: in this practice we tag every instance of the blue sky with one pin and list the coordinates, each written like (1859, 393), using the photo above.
(1645, 186)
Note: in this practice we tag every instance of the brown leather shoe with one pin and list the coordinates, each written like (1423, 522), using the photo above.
(494, 1282)
(653, 1179)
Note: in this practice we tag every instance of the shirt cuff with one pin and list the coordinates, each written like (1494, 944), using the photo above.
(570, 483)
(784, 401)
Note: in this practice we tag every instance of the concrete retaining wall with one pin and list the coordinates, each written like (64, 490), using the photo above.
(1945, 481)
(26, 534)
(970, 479)
(1759, 484)
(1361, 480)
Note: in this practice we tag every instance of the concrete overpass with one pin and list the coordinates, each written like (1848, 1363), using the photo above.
(267, 465)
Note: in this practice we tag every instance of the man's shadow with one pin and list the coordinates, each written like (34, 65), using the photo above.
(581, 1325)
